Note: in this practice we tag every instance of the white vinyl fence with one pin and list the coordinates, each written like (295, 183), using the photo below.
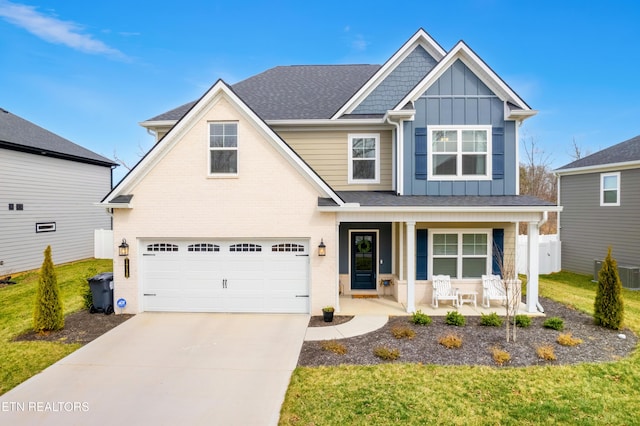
(550, 253)
(103, 244)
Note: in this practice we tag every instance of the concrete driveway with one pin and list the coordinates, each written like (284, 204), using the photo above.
(168, 369)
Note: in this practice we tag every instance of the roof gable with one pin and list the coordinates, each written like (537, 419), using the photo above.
(623, 153)
(21, 135)
(396, 85)
(419, 39)
(462, 52)
(220, 90)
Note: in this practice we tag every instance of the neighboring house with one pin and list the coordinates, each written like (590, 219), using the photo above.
(49, 188)
(600, 195)
(399, 172)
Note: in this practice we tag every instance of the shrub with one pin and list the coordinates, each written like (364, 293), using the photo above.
(608, 306)
(546, 352)
(554, 323)
(87, 296)
(490, 320)
(523, 321)
(420, 318)
(333, 346)
(450, 341)
(388, 354)
(48, 314)
(455, 318)
(566, 339)
(499, 356)
(403, 332)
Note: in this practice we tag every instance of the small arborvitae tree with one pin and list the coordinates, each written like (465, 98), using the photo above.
(48, 313)
(608, 308)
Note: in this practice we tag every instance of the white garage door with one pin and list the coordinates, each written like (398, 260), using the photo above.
(226, 276)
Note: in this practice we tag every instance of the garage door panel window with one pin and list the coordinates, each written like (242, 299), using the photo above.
(287, 248)
(156, 247)
(245, 247)
(204, 247)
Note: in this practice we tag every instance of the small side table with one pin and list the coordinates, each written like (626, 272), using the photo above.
(468, 297)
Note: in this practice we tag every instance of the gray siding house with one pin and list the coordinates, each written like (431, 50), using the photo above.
(48, 190)
(600, 194)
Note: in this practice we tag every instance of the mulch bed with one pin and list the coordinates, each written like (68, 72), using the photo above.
(79, 327)
(599, 344)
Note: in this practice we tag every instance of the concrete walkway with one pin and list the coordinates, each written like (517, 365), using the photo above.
(168, 369)
(360, 324)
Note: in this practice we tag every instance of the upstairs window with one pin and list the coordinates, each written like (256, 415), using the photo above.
(364, 158)
(610, 189)
(223, 149)
(461, 152)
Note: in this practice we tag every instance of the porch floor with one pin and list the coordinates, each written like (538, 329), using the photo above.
(386, 305)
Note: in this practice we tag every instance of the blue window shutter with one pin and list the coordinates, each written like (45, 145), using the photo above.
(497, 138)
(498, 250)
(422, 251)
(421, 153)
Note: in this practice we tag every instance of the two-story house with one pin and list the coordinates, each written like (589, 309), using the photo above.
(600, 198)
(296, 185)
(49, 187)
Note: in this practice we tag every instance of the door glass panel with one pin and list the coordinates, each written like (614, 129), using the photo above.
(364, 253)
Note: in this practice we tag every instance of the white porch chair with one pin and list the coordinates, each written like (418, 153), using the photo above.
(442, 290)
(492, 289)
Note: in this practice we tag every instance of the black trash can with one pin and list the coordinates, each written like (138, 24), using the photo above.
(102, 293)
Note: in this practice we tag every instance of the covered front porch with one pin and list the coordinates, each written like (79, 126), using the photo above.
(389, 306)
(392, 251)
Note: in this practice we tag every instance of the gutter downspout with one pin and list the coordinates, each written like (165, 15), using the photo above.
(545, 217)
(399, 157)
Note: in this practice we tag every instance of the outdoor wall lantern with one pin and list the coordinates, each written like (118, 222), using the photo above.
(322, 249)
(123, 249)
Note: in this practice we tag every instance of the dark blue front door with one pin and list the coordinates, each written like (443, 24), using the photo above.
(363, 261)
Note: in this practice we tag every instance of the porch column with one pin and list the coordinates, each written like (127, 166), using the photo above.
(337, 251)
(411, 267)
(533, 268)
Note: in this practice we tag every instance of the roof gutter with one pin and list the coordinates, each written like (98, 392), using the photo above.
(355, 207)
(598, 168)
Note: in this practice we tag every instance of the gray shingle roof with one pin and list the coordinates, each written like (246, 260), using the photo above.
(19, 134)
(390, 199)
(623, 152)
(295, 92)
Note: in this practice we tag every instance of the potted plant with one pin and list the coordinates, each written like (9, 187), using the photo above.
(327, 313)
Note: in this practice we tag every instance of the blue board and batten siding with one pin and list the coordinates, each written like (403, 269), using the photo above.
(398, 83)
(459, 97)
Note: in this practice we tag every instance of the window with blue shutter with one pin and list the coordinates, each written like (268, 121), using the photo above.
(497, 137)
(422, 254)
(498, 251)
(421, 153)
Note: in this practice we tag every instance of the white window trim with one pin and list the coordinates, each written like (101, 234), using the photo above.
(602, 177)
(460, 256)
(209, 149)
(459, 176)
(352, 136)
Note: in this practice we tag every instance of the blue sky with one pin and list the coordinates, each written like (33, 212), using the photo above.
(91, 71)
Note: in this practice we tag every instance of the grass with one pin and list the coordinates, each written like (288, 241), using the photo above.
(21, 360)
(412, 394)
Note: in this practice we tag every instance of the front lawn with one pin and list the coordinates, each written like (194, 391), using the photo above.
(21, 360)
(606, 393)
